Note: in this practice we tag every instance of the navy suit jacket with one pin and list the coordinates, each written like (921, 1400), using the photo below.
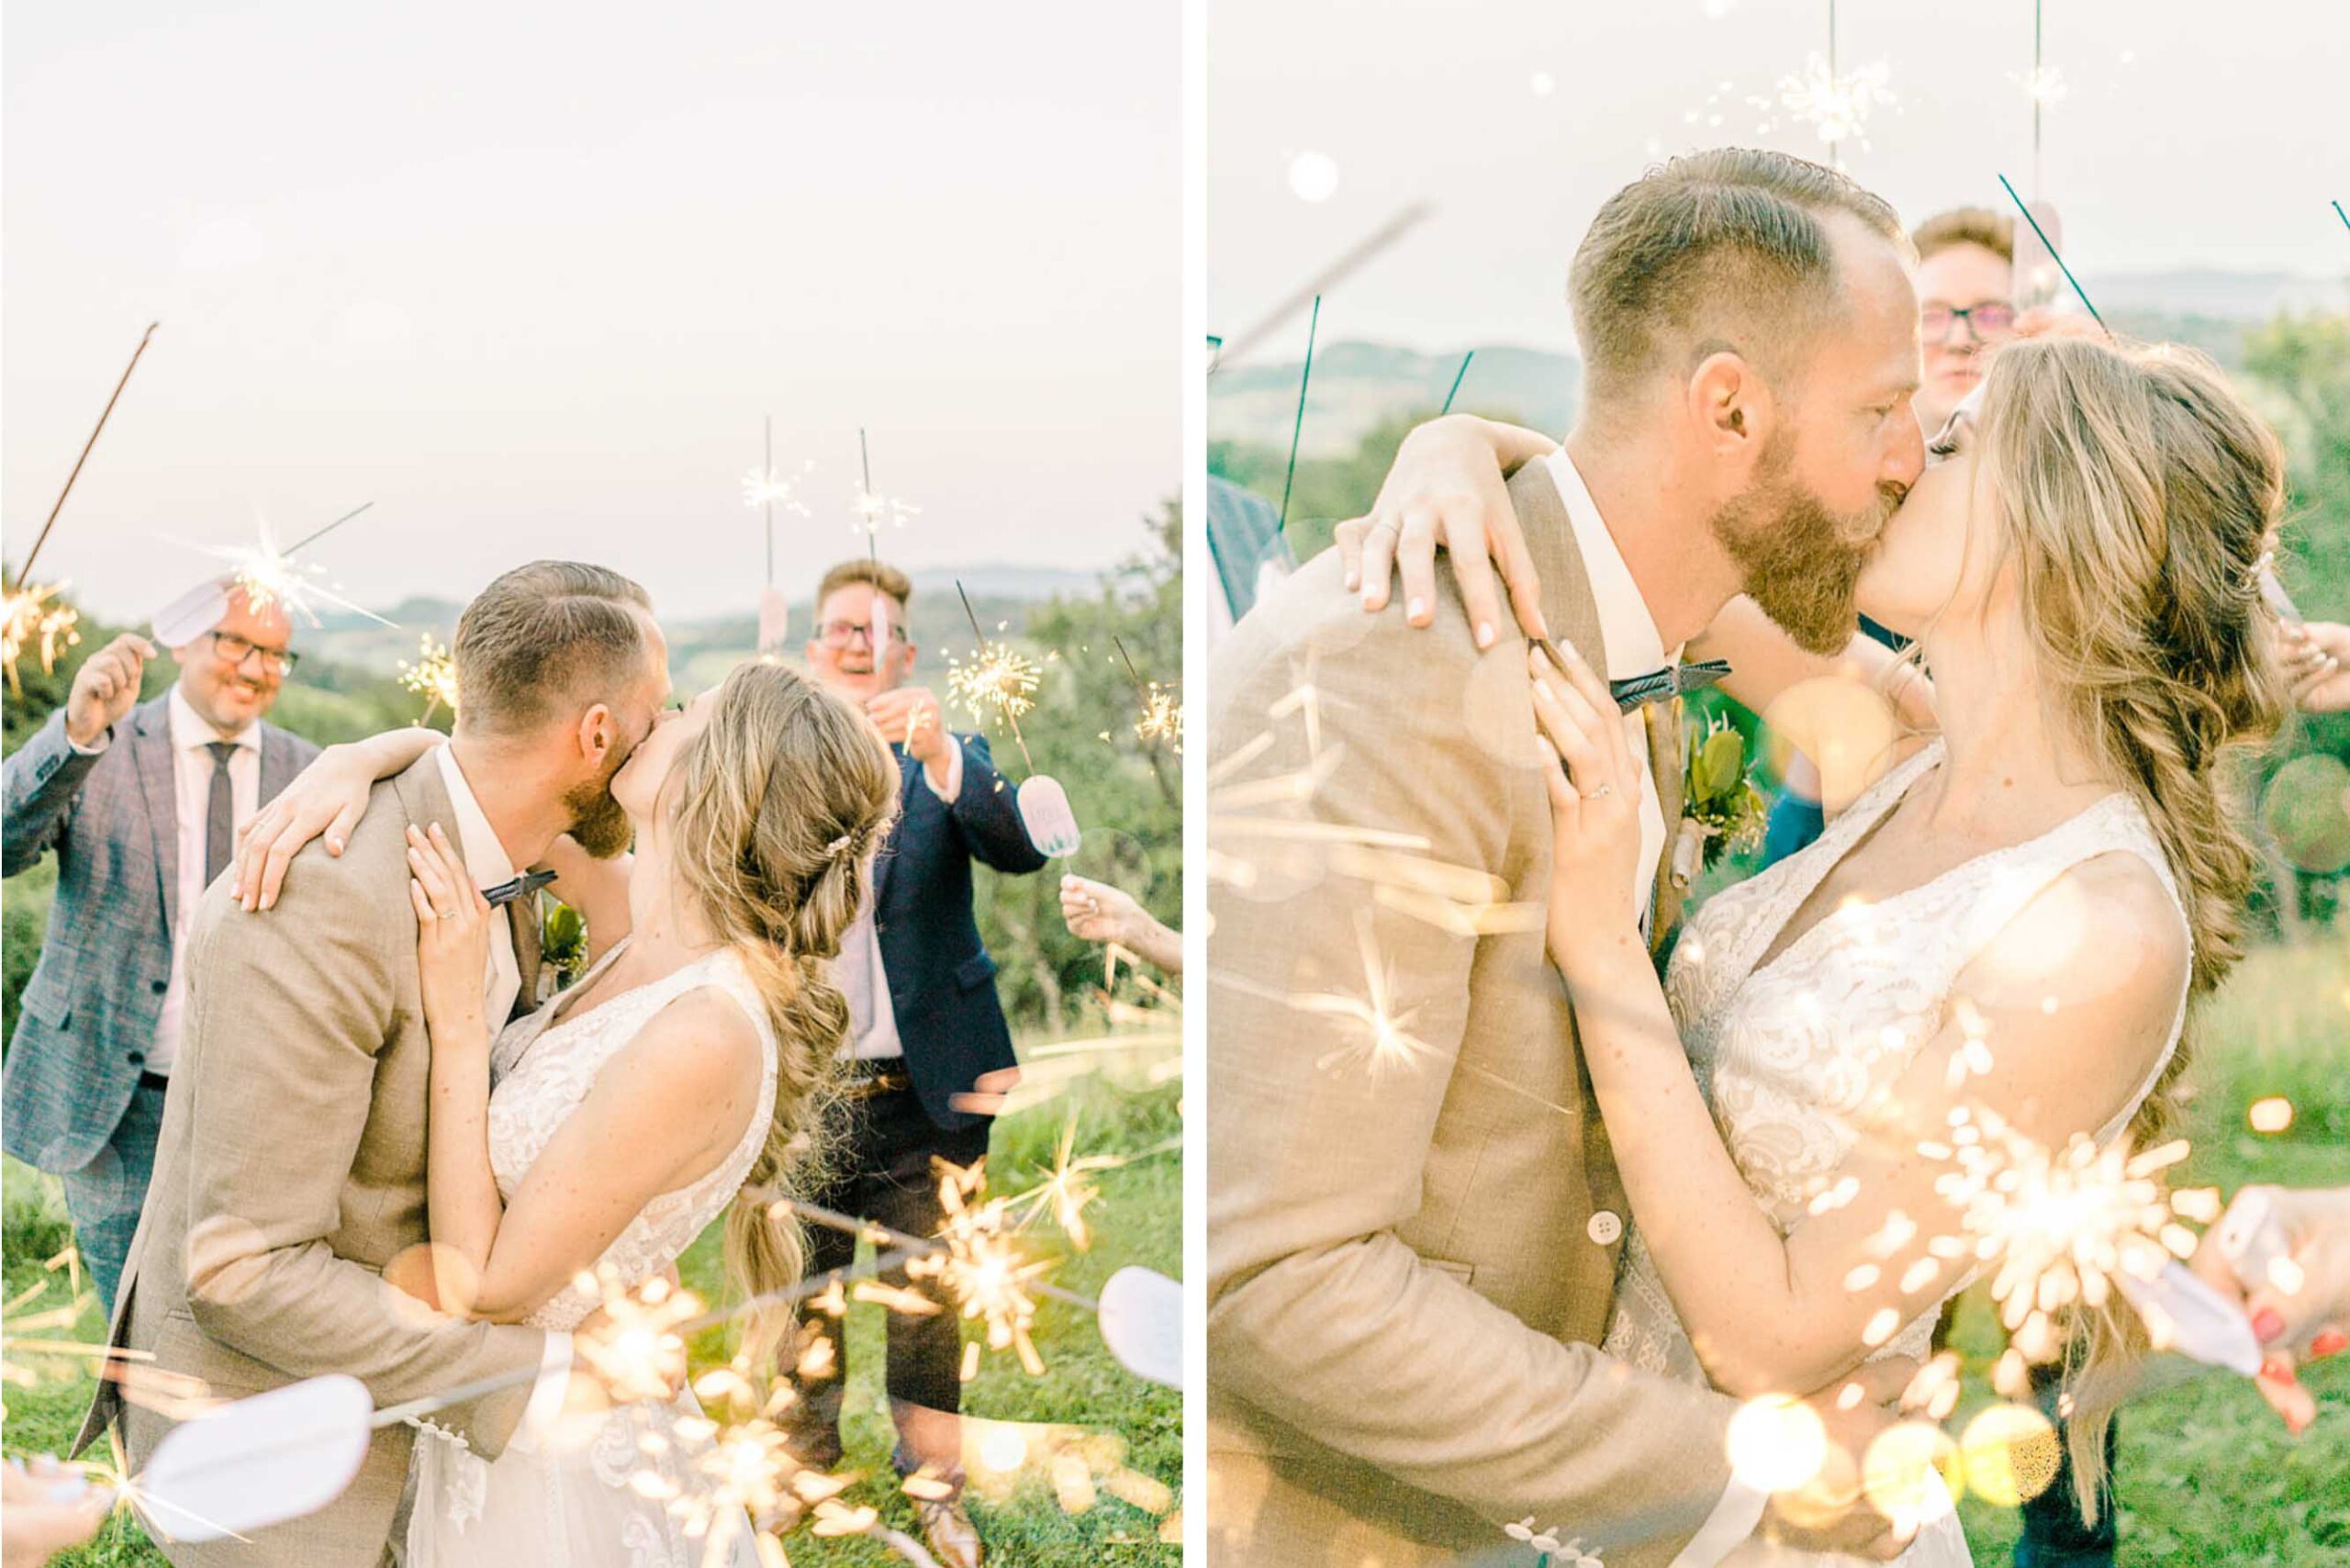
(88, 1012)
(941, 981)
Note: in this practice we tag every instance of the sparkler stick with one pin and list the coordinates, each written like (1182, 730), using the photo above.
(1457, 378)
(321, 533)
(1162, 716)
(2341, 215)
(24, 571)
(1328, 279)
(1304, 380)
(2053, 251)
(1010, 717)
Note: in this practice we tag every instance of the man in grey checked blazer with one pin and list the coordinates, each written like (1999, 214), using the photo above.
(141, 801)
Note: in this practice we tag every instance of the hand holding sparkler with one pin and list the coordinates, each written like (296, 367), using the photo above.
(1097, 911)
(2287, 1255)
(910, 716)
(105, 689)
(51, 1507)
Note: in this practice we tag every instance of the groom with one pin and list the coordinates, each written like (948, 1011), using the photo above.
(1414, 1222)
(289, 1190)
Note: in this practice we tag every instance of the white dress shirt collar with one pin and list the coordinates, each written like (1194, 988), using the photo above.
(1632, 643)
(191, 729)
(485, 853)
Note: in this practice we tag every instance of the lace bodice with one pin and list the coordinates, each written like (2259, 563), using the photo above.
(1787, 1055)
(544, 1070)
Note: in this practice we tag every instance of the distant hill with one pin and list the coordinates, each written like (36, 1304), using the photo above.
(1359, 386)
(701, 650)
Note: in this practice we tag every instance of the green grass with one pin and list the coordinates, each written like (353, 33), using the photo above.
(1085, 1402)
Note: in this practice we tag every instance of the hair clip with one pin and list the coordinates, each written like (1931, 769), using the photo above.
(832, 850)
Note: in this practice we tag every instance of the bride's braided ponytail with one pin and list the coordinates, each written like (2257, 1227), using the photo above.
(780, 804)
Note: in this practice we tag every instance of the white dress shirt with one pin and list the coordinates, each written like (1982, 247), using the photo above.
(875, 1038)
(192, 768)
(1633, 646)
(488, 864)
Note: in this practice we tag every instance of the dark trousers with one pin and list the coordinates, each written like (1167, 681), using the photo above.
(2054, 1536)
(104, 1197)
(882, 1171)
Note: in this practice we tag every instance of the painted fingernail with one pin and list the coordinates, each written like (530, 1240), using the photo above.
(1485, 634)
(2277, 1369)
(2267, 1325)
(1417, 610)
(2332, 1342)
(1354, 580)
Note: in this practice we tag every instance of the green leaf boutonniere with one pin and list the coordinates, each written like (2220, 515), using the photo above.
(1721, 808)
(563, 942)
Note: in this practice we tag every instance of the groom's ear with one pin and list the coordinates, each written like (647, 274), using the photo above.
(598, 733)
(1729, 405)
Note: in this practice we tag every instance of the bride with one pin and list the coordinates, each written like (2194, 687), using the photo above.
(605, 1132)
(2004, 932)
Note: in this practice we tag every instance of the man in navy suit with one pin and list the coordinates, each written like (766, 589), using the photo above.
(929, 1051)
(141, 803)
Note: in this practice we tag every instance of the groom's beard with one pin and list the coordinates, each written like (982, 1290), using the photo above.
(1798, 560)
(598, 826)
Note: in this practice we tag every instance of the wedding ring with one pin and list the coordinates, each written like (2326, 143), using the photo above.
(1597, 791)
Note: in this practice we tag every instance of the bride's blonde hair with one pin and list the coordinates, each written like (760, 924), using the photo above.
(777, 810)
(2137, 498)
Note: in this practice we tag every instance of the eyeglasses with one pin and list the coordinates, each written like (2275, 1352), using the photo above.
(233, 651)
(839, 634)
(1992, 318)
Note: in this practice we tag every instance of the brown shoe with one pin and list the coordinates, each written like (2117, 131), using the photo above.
(954, 1540)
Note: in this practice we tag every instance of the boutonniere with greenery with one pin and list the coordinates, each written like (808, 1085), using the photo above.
(563, 942)
(1721, 809)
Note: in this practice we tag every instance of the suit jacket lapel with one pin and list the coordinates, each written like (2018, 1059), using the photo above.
(277, 764)
(1567, 601)
(150, 748)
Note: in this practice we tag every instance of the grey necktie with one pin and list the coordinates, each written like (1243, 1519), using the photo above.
(219, 813)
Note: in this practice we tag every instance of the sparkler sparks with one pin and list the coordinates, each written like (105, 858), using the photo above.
(997, 682)
(266, 574)
(433, 677)
(981, 1267)
(639, 1351)
(1162, 718)
(32, 622)
(767, 486)
(1387, 1040)
(2043, 84)
(1836, 105)
(2061, 1224)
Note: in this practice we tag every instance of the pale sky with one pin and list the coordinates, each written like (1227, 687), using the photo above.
(528, 277)
(2190, 134)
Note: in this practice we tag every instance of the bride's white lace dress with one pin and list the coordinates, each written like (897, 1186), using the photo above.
(574, 1500)
(1788, 1055)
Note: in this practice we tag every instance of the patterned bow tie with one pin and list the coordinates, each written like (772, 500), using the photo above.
(1663, 685)
(523, 886)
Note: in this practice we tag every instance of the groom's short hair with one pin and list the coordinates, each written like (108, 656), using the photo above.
(1718, 248)
(542, 637)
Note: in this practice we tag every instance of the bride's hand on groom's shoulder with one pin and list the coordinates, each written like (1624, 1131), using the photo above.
(451, 940)
(1595, 790)
(1449, 490)
(326, 799)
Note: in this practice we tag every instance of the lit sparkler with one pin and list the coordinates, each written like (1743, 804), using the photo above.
(766, 488)
(266, 574)
(34, 621)
(2060, 1225)
(1387, 1040)
(1162, 711)
(874, 509)
(980, 1265)
(1835, 105)
(2041, 83)
(639, 1349)
(433, 677)
(1068, 1187)
(997, 682)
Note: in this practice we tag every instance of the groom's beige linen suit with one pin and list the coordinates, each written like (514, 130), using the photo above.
(291, 1171)
(1412, 1250)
